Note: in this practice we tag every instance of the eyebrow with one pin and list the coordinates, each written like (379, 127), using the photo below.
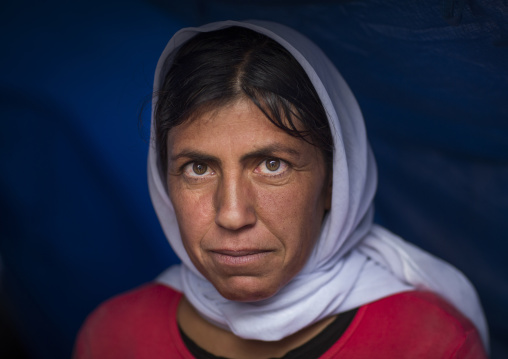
(195, 155)
(271, 150)
(267, 151)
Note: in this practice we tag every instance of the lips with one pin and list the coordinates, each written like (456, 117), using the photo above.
(239, 257)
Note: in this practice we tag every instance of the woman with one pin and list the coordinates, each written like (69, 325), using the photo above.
(263, 180)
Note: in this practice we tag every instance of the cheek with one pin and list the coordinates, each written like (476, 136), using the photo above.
(293, 213)
(194, 213)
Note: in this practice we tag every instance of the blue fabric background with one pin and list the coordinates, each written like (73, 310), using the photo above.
(77, 225)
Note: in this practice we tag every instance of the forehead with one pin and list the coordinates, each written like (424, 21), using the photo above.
(241, 124)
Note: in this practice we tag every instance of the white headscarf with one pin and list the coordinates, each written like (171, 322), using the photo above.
(354, 261)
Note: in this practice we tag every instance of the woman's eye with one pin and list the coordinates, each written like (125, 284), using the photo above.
(272, 167)
(199, 168)
(196, 169)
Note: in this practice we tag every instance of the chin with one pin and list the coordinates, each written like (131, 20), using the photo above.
(247, 292)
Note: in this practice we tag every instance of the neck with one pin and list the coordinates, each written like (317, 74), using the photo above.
(220, 342)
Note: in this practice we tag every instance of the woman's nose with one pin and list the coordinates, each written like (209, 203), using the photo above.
(234, 204)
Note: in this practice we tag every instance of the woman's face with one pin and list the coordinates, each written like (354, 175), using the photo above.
(248, 197)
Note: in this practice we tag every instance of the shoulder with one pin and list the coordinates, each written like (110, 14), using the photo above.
(140, 305)
(124, 321)
(422, 309)
(418, 323)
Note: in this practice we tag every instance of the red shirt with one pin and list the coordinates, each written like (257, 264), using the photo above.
(142, 324)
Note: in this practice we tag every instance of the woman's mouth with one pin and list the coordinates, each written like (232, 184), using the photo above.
(239, 258)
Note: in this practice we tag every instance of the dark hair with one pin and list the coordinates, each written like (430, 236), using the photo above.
(217, 68)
